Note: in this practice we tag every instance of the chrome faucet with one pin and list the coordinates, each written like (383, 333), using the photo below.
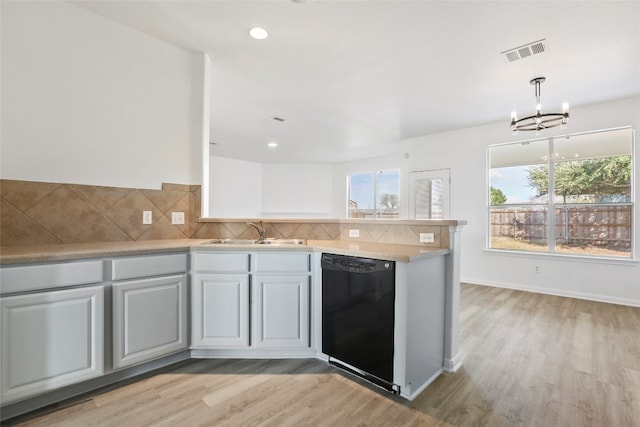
(261, 230)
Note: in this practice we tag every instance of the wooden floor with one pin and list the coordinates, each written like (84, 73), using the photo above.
(529, 360)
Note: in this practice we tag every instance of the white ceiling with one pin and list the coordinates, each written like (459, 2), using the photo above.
(353, 78)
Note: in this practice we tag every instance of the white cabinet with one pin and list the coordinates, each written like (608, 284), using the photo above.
(220, 300)
(251, 300)
(280, 311)
(150, 306)
(149, 318)
(149, 314)
(50, 339)
(220, 310)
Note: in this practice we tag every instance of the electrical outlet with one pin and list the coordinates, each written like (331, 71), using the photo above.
(536, 269)
(177, 218)
(354, 233)
(147, 217)
(427, 238)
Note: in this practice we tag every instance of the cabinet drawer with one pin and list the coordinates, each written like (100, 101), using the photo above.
(36, 277)
(153, 265)
(281, 262)
(224, 263)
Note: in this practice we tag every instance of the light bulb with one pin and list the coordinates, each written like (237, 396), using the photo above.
(258, 33)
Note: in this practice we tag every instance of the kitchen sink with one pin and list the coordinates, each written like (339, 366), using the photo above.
(230, 242)
(255, 242)
(282, 242)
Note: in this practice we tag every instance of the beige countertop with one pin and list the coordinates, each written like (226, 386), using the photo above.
(385, 251)
(67, 252)
(73, 251)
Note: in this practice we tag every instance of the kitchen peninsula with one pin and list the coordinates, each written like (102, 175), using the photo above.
(165, 283)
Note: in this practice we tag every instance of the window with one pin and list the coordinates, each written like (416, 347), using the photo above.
(570, 195)
(374, 195)
(429, 194)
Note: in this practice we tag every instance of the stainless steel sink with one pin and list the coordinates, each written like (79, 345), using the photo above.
(230, 242)
(282, 242)
(255, 242)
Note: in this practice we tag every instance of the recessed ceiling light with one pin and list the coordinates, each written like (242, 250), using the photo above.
(272, 144)
(258, 33)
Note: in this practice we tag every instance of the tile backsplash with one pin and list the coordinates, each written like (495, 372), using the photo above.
(40, 213)
(36, 213)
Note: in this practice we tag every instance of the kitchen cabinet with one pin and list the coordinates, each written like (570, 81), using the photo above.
(69, 327)
(251, 300)
(220, 300)
(220, 310)
(50, 339)
(280, 310)
(149, 296)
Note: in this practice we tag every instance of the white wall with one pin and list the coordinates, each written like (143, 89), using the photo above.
(86, 100)
(235, 188)
(296, 190)
(464, 151)
(241, 189)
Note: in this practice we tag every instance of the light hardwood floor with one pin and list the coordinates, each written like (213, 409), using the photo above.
(529, 360)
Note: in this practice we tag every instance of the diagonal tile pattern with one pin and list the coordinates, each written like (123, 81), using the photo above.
(16, 227)
(24, 194)
(37, 213)
(43, 213)
(71, 218)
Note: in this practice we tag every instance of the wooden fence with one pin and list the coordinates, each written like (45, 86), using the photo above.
(602, 226)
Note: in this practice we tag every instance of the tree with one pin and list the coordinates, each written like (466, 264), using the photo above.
(388, 201)
(497, 196)
(585, 180)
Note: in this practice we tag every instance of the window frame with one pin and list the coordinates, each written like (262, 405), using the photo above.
(552, 206)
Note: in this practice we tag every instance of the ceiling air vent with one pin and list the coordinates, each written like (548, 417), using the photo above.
(524, 51)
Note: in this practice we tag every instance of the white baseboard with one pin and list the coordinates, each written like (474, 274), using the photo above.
(415, 393)
(453, 364)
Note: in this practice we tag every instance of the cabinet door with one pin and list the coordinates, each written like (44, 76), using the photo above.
(280, 311)
(220, 307)
(149, 319)
(50, 340)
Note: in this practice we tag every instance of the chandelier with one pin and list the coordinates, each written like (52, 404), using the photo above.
(539, 121)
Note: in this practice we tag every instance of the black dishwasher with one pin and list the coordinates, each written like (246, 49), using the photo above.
(358, 300)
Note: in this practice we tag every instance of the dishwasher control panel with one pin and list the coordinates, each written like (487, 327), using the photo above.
(356, 265)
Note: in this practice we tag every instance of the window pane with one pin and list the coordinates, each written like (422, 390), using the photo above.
(387, 190)
(374, 195)
(360, 195)
(593, 168)
(522, 228)
(518, 173)
(603, 230)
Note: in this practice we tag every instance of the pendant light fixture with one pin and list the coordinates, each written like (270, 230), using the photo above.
(539, 121)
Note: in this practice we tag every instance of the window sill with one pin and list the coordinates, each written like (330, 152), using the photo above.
(563, 257)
